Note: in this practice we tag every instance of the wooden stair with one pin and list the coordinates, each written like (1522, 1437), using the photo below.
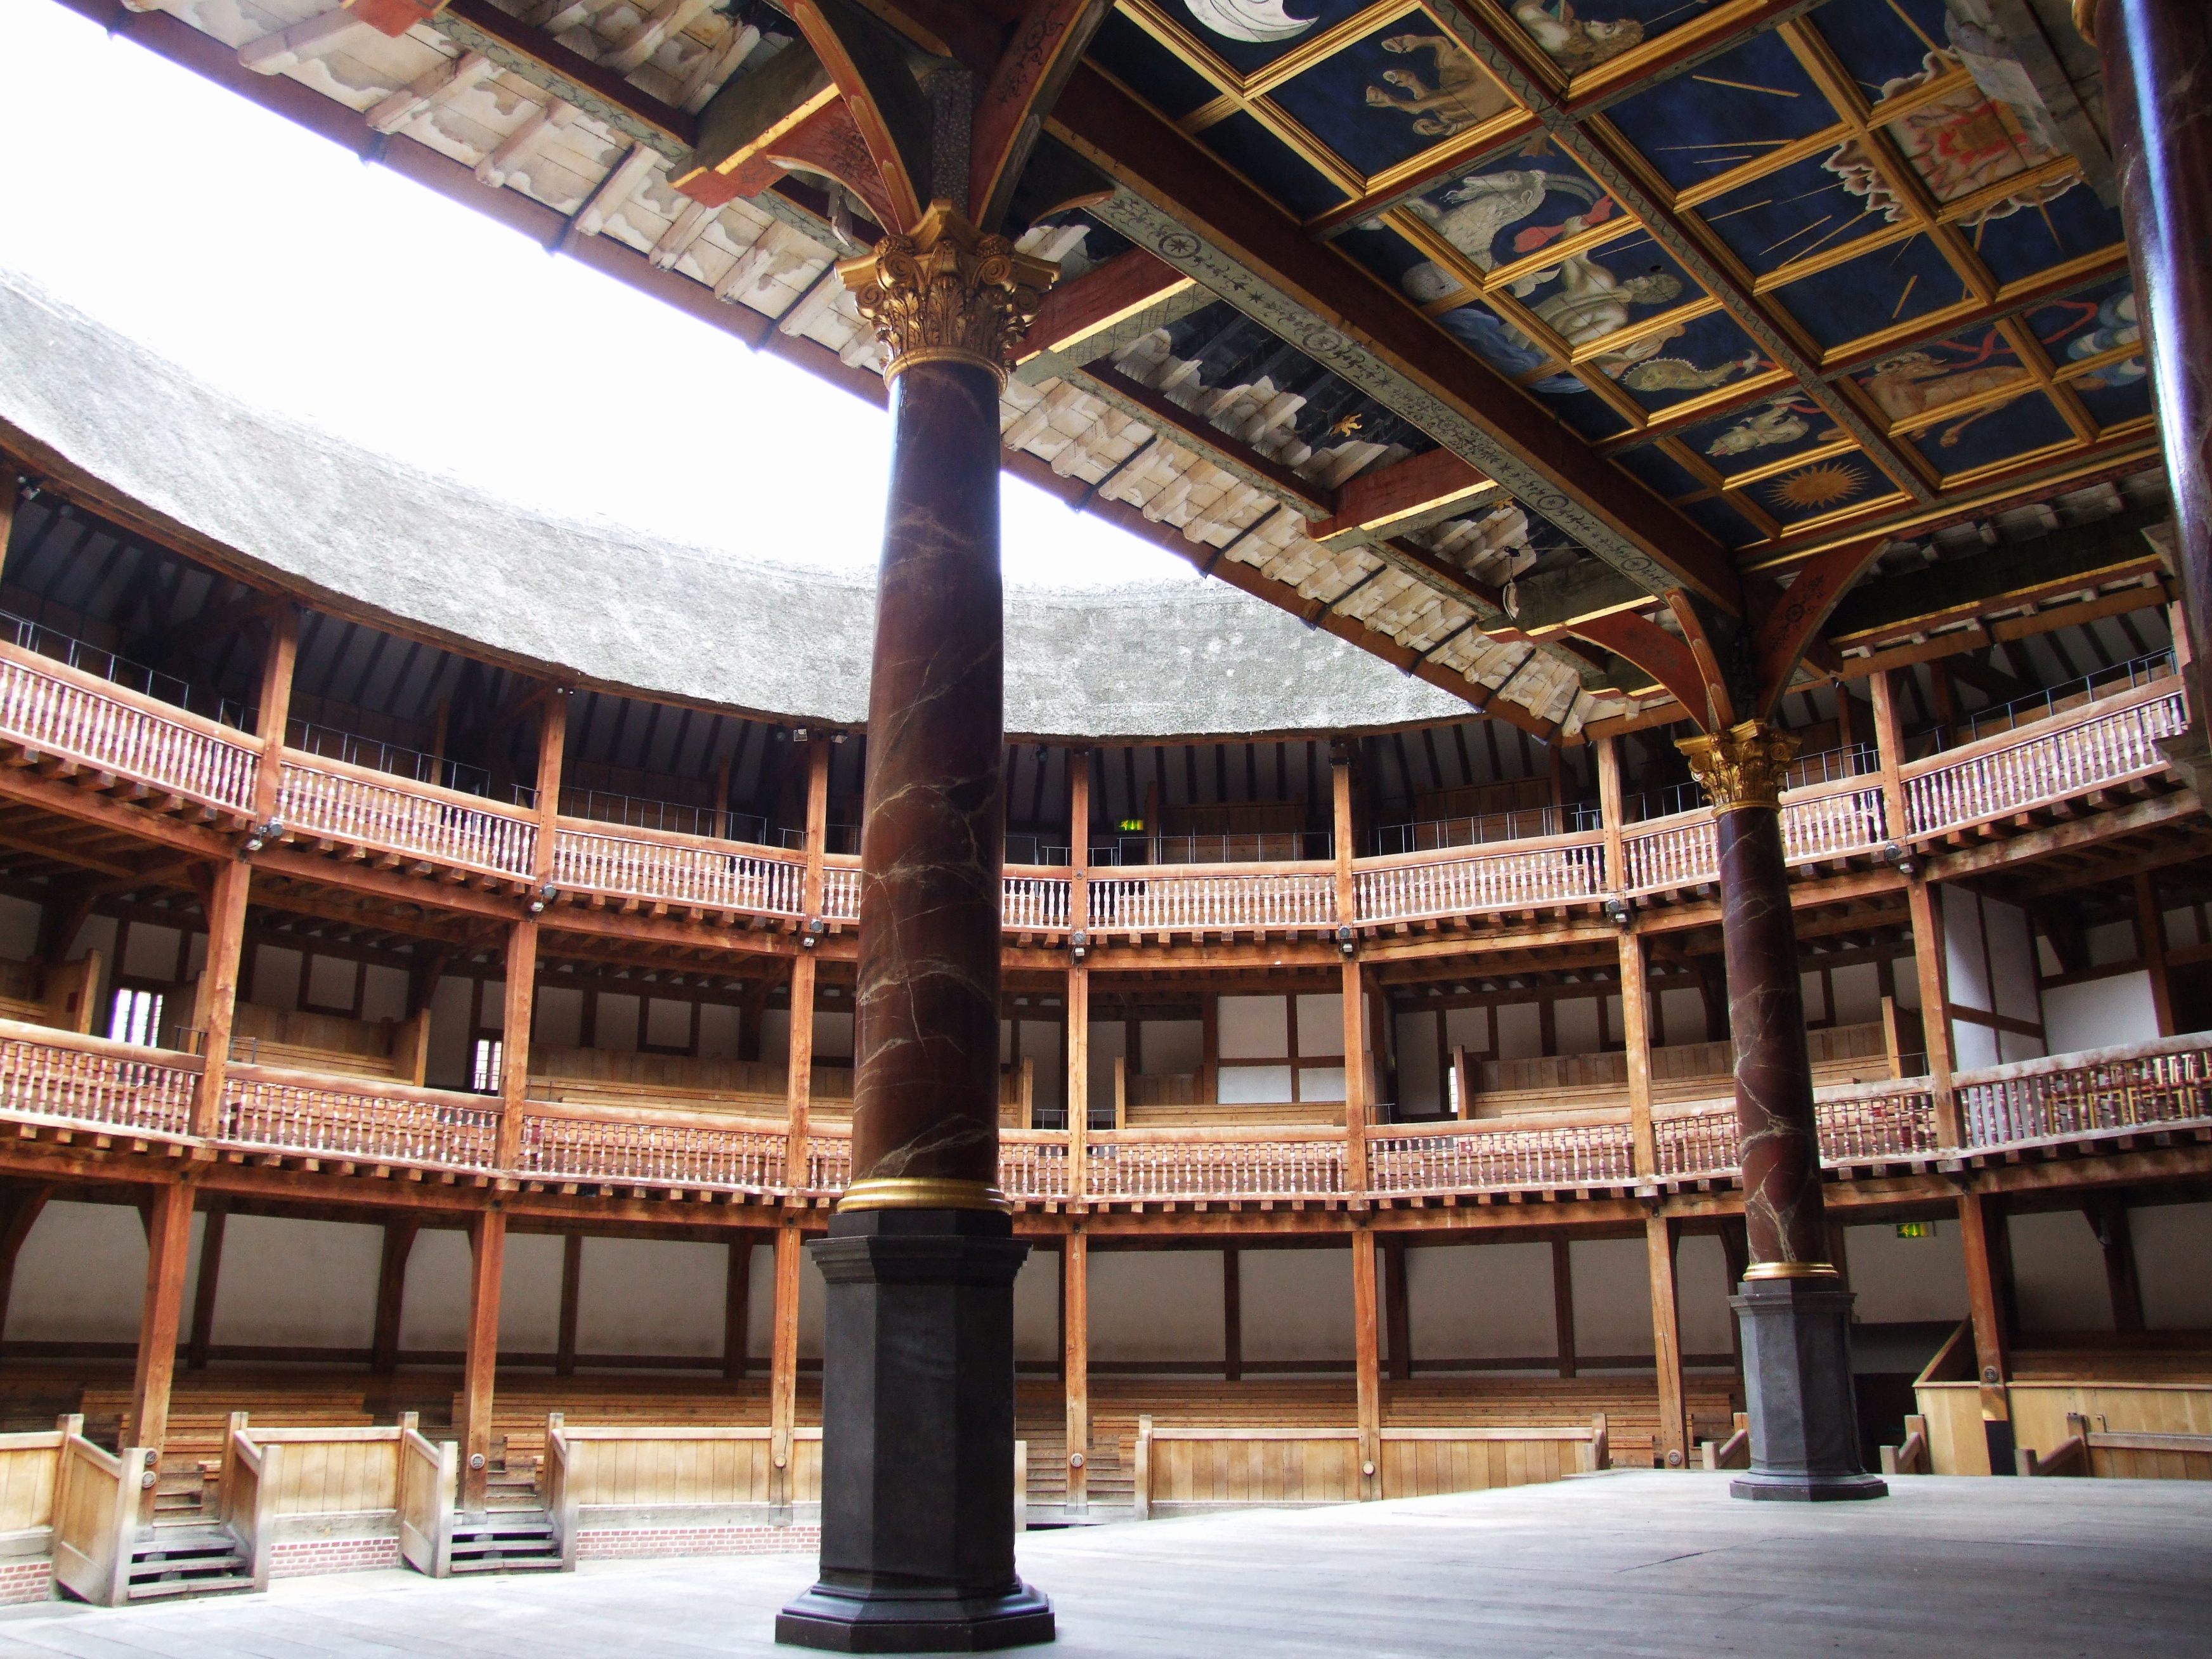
(174, 1560)
(506, 1541)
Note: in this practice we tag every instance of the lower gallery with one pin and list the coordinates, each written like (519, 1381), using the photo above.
(1622, 984)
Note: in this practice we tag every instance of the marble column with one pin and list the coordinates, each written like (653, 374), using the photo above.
(1793, 1310)
(918, 1364)
(2157, 58)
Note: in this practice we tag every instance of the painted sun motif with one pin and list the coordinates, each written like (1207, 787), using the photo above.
(1821, 485)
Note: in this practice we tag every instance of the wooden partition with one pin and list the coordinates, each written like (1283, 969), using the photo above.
(62, 996)
(1683, 1072)
(1427, 1463)
(30, 1473)
(634, 1477)
(96, 1518)
(392, 1051)
(1180, 1100)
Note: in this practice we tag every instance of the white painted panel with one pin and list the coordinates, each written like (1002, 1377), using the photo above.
(760, 1308)
(80, 1276)
(491, 1007)
(1156, 1305)
(559, 1018)
(297, 1284)
(1808, 988)
(1905, 976)
(2012, 1046)
(434, 1310)
(1901, 1279)
(1109, 1042)
(833, 1037)
(331, 983)
(19, 927)
(614, 1025)
(384, 994)
(2110, 942)
(2012, 960)
(1973, 1046)
(448, 1066)
(1041, 1044)
(1468, 1028)
(1036, 1307)
(1005, 1040)
(1320, 1026)
(1172, 1045)
(1254, 1085)
(2100, 1013)
(667, 1022)
(1613, 1297)
(275, 981)
(2181, 928)
(1616, 1030)
(776, 1036)
(1681, 1017)
(1575, 1022)
(152, 953)
(98, 933)
(1327, 1082)
(718, 1030)
(651, 1296)
(1253, 1028)
(1701, 1295)
(530, 1294)
(1858, 993)
(2058, 1273)
(1967, 966)
(1297, 1304)
(1480, 1301)
(1520, 1031)
(2174, 1242)
(1420, 1081)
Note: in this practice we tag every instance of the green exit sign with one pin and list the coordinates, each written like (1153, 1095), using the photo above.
(1916, 1230)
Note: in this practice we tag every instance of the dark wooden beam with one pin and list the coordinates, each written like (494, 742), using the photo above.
(1042, 54)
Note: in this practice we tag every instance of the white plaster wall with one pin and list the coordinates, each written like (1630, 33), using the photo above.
(383, 993)
(760, 1306)
(151, 953)
(1899, 1279)
(1858, 993)
(1973, 1046)
(434, 1309)
(1324, 1081)
(1242, 1084)
(449, 1058)
(1480, 1301)
(2173, 1260)
(1036, 1307)
(1681, 1017)
(1520, 1031)
(1420, 1081)
(81, 1275)
(275, 981)
(1109, 1042)
(1808, 988)
(19, 927)
(2110, 942)
(330, 983)
(650, 1296)
(297, 1284)
(1041, 1043)
(530, 1292)
(1250, 1028)
(1320, 1026)
(1296, 1304)
(491, 1007)
(833, 1036)
(719, 1028)
(1575, 1024)
(1468, 1028)
(2012, 960)
(2058, 1273)
(2100, 1013)
(1967, 966)
(615, 1023)
(1158, 1305)
(558, 1021)
(1612, 1296)
(1174, 1045)
(1702, 1313)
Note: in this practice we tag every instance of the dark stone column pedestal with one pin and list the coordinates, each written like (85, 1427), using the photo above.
(918, 1440)
(1797, 1378)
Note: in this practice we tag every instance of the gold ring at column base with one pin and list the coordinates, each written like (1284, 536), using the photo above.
(922, 1193)
(1791, 1270)
(945, 353)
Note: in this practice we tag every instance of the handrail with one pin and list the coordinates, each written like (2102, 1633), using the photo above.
(429, 1486)
(334, 801)
(252, 1478)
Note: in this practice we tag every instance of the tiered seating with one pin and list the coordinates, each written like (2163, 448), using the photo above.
(749, 1089)
(1571, 1086)
(1177, 1100)
(60, 997)
(391, 1051)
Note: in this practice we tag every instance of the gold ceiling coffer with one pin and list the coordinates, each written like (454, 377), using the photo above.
(947, 294)
(1743, 766)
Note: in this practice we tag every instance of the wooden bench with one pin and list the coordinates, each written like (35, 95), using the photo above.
(61, 997)
(391, 1051)
(755, 1090)
(1177, 1100)
(1596, 1086)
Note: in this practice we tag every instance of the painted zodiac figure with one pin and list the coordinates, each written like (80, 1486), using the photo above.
(1781, 421)
(1568, 40)
(1591, 302)
(1917, 383)
(1463, 96)
(1481, 206)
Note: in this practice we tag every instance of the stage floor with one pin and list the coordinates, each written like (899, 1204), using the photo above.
(1644, 1563)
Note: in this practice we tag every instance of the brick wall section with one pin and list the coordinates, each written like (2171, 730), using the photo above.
(302, 1557)
(26, 1580)
(612, 1544)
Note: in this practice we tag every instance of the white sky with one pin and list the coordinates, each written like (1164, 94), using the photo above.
(279, 268)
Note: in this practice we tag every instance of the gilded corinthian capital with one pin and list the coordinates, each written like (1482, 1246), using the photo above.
(947, 294)
(1743, 766)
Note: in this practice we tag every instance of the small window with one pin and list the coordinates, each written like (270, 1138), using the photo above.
(137, 1018)
(490, 1052)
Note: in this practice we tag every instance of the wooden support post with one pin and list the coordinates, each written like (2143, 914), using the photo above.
(572, 1297)
(1611, 809)
(169, 1249)
(23, 1207)
(2108, 1219)
(736, 1306)
(224, 899)
(1209, 1054)
(798, 1074)
(391, 1295)
(1927, 918)
(1075, 1337)
(1889, 756)
(1736, 1253)
(487, 1264)
(1232, 1315)
(1078, 840)
(1359, 1105)
(1078, 1043)
(277, 667)
(1636, 1032)
(514, 1036)
(204, 1285)
(1563, 1304)
(783, 1363)
(1367, 1362)
(2150, 928)
(1397, 1314)
(1673, 1441)
(1987, 1247)
(817, 828)
(1341, 822)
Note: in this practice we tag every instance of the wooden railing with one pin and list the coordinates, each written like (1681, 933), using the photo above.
(840, 888)
(1167, 898)
(1033, 1164)
(1035, 899)
(1410, 1159)
(49, 708)
(354, 806)
(1136, 1165)
(1860, 1123)
(657, 1149)
(1556, 870)
(2099, 744)
(358, 1120)
(96, 1507)
(59, 1077)
(30, 1483)
(673, 869)
(1830, 820)
(247, 1504)
(2097, 1092)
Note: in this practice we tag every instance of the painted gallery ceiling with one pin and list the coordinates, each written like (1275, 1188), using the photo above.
(1711, 287)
